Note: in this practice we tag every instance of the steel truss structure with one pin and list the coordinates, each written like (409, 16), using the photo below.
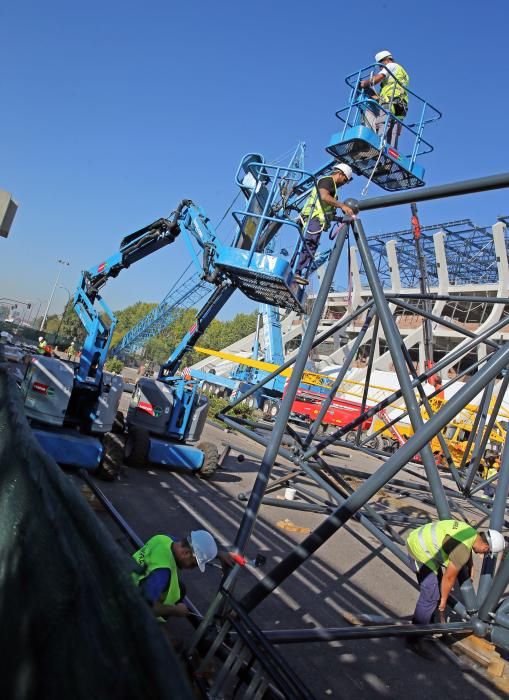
(470, 252)
(248, 655)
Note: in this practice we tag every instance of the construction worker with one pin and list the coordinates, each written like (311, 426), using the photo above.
(491, 468)
(393, 97)
(161, 558)
(448, 544)
(41, 347)
(71, 351)
(318, 213)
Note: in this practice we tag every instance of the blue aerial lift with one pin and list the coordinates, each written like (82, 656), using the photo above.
(368, 152)
(73, 408)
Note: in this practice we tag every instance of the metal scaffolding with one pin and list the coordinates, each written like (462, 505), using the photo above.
(247, 653)
(469, 250)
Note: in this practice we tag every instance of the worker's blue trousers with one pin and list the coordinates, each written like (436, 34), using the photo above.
(429, 596)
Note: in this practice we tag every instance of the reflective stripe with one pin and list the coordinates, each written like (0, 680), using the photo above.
(437, 555)
(426, 542)
(424, 547)
(436, 545)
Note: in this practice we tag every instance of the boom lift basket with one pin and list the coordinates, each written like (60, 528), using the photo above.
(367, 151)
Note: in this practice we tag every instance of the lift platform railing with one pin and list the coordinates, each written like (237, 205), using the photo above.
(362, 101)
(277, 195)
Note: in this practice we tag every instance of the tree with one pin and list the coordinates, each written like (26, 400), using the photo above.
(113, 364)
(71, 325)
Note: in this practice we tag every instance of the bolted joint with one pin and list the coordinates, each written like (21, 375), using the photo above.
(479, 628)
(353, 204)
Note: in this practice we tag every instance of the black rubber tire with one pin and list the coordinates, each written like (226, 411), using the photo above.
(251, 402)
(374, 443)
(274, 410)
(205, 387)
(118, 426)
(113, 457)
(137, 447)
(211, 458)
(350, 437)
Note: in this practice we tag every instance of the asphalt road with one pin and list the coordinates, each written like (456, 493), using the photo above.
(351, 574)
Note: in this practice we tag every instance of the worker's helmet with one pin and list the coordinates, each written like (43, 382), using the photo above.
(41, 338)
(379, 57)
(496, 541)
(344, 168)
(204, 547)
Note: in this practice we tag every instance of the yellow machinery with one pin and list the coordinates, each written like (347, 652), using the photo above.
(456, 433)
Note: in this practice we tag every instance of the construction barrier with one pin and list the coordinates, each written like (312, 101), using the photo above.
(72, 623)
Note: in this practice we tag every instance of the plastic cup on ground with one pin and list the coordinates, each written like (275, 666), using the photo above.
(290, 494)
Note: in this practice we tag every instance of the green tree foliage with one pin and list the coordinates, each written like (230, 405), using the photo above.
(71, 324)
(218, 335)
(113, 364)
(129, 317)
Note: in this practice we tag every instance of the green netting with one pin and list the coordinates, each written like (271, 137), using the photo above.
(71, 623)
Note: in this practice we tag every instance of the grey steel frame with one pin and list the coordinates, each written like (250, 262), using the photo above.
(481, 611)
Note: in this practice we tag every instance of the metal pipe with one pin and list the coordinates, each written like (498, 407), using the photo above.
(443, 321)
(319, 339)
(394, 341)
(426, 404)
(453, 189)
(339, 378)
(367, 632)
(364, 400)
(496, 521)
(441, 364)
(271, 451)
(496, 590)
(384, 474)
(476, 434)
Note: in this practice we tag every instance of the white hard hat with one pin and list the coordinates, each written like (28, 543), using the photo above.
(496, 541)
(40, 338)
(343, 168)
(204, 547)
(381, 55)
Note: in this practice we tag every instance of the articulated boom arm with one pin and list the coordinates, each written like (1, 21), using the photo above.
(203, 319)
(134, 247)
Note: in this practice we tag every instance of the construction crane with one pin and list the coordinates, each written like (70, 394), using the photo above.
(179, 299)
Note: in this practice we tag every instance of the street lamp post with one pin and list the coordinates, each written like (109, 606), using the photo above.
(65, 308)
(62, 263)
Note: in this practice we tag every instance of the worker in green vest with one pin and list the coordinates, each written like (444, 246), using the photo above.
(160, 560)
(393, 97)
(446, 544)
(317, 215)
(42, 345)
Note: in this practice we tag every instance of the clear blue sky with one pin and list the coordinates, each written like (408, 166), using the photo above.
(112, 112)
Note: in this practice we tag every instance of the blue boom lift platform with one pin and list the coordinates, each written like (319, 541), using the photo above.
(368, 152)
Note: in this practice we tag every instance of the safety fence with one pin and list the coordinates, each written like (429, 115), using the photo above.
(72, 623)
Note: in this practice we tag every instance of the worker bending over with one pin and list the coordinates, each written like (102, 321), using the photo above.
(392, 97)
(446, 544)
(318, 213)
(161, 558)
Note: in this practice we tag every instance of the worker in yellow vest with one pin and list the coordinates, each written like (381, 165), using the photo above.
(318, 213)
(160, 560)
(445, 544)
(393, 97)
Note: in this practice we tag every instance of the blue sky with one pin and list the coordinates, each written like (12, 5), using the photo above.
(112, 112)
